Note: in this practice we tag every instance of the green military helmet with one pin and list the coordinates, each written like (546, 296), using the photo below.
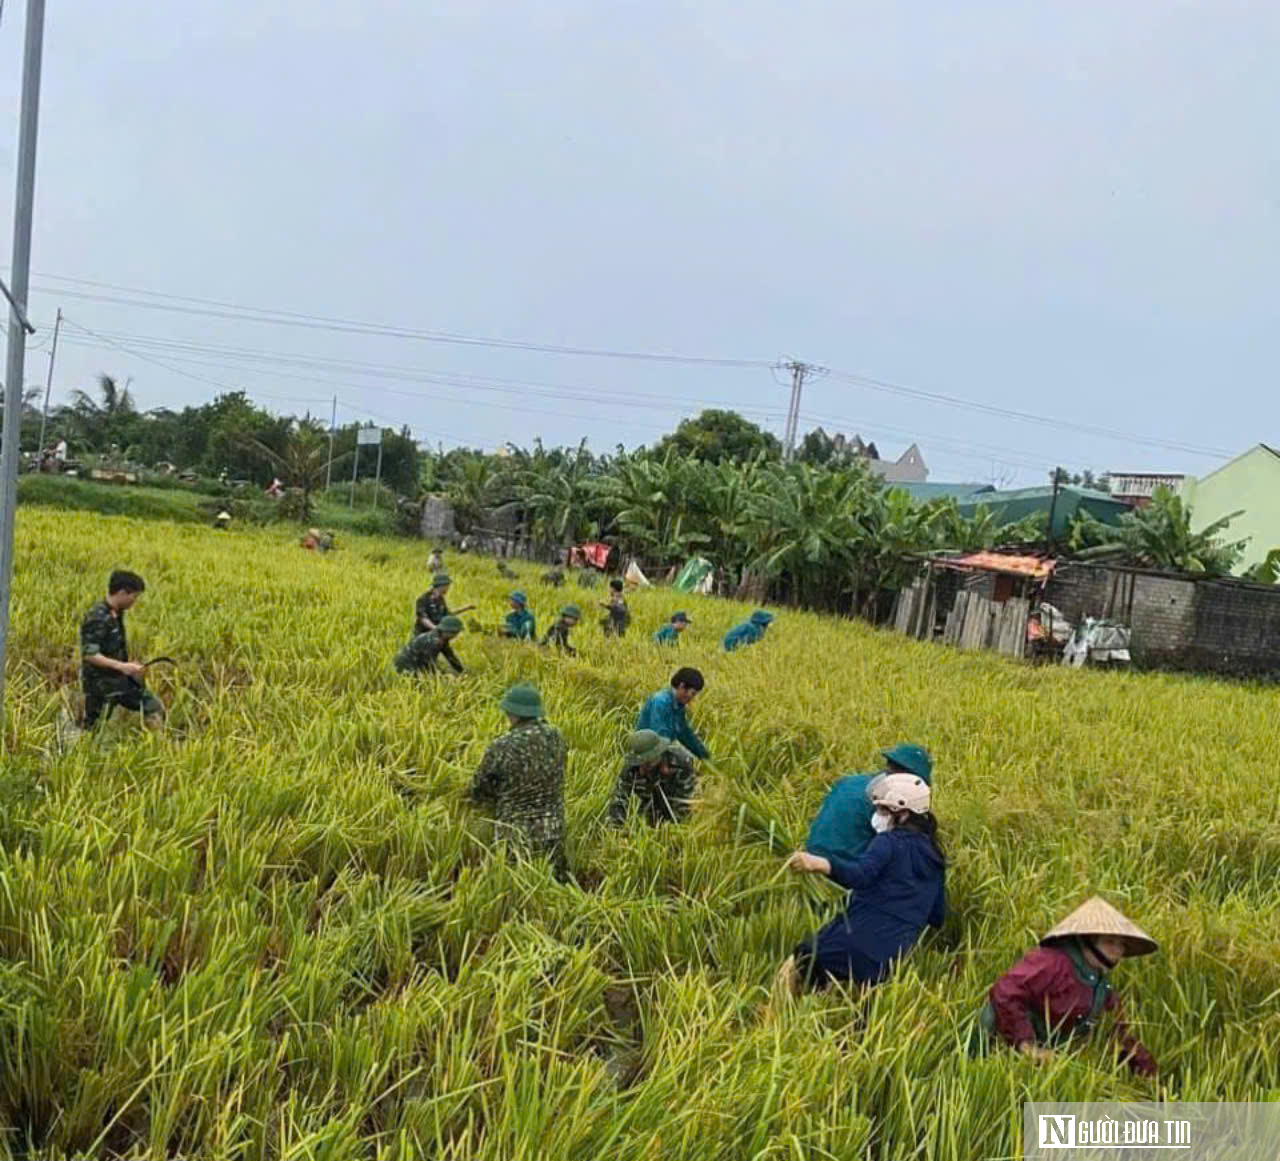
(522, 700)
(645, 746)
(761, 617)
(681, 616)
(440, 580)
(571, 611)
(912, 758)
(450, 624)
(518, 596)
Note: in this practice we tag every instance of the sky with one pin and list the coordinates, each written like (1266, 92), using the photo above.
(1068, 210)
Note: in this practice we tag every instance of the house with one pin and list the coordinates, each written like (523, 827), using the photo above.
(1137, 488)
(1250, 482)
(908, 468)
(924, 493)
(1064, 502)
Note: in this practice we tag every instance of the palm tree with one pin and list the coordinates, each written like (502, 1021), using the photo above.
(302, 464)
(98, 423)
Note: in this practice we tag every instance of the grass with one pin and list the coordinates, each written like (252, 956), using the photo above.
(277, 933)
(194, 504)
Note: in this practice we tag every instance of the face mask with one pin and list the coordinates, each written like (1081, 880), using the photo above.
(881, 822)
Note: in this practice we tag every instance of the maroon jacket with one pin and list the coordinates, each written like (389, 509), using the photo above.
(1051, 982)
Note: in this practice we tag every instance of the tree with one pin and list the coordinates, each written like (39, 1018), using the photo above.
(1159, 536)
(98, 423)
(715, 436)
(302, 464)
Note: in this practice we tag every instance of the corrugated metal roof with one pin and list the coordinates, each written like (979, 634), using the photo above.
(1035, 566)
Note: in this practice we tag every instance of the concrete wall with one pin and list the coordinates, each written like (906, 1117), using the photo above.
(1251, 482)
(1177, 623)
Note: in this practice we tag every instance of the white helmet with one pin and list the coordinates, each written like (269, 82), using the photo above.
(896, 792)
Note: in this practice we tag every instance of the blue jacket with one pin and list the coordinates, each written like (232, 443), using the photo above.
(897, 888)
(664, 715)
(842, 828)
(666, 635)
(748, 633)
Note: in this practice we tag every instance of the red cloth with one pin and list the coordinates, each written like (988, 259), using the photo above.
(1045, 981)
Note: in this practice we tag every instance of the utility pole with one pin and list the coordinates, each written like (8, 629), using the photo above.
(20, 272)
(798, 372)
(333, 423)
(48, 383)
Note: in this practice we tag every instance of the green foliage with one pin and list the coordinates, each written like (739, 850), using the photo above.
(1086, 479)
(1159, 536)
(1267, 570)
(717, 436)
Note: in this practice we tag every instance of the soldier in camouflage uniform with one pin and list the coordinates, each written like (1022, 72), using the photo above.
(558, 634)
(618, 618)
(108, 676)
(421, 653)
(521, 779)
(660, 774)
(431, 608)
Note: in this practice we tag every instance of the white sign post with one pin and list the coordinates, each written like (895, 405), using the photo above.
(366, 436)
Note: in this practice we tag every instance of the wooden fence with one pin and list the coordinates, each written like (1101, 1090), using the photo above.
(974, 622)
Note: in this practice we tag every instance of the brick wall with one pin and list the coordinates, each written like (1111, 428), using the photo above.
(1177, 623)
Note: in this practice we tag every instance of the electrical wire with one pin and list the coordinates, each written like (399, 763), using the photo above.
(215, 308)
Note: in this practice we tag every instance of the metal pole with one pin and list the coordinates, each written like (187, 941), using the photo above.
(355, 466)
(48, 383)
(333, 423)
(377, 475)
(798, 372)
(23, 208)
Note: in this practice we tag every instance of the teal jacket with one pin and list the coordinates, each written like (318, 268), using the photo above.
(667, 635)
(748, 633)
(664, 715)
(842, 828)
(519, 623)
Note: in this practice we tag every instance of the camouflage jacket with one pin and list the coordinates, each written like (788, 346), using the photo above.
(664, 788)
(558, 635)
(617, 619)
(422, 651)
(102, 632)
(430, 606)
(521, 782)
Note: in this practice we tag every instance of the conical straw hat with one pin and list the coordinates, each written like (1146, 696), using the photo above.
(1098, 917)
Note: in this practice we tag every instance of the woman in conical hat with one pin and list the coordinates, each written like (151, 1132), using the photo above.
(1059, 990)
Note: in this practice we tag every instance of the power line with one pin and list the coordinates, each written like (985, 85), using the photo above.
(1028, 417)
(215, 308)
(459, 382)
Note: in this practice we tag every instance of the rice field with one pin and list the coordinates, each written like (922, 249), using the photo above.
(277, 932)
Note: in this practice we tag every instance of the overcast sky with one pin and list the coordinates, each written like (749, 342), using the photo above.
(1064, 208)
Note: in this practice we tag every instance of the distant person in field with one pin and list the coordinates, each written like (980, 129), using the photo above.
(558, 634)
(520, 781)
(1057, 992)
(896, 889)
(659, 774)
(749, 632)
(107, 675)
(431, 607)
(420, 655)
(846, 822)
(435, 562)
(664, 712)
(669, 634)
(519, 623)
(618, 617)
